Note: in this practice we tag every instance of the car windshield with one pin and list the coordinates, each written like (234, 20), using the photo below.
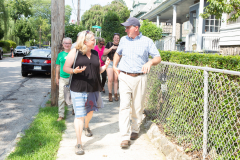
(40, 53)
(21, 47)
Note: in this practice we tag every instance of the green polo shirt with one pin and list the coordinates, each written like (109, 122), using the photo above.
(61, 61)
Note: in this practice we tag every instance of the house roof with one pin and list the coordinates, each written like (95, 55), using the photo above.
(136, 2)
(165, 10)
(149, 5)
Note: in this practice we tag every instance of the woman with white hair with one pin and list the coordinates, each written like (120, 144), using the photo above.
(85, 82)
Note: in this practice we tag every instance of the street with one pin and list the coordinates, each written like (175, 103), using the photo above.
(20, 99)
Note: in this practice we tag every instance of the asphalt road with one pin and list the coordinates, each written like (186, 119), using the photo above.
(20, 99)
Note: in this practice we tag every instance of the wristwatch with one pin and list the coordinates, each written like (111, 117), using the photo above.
(73, 72)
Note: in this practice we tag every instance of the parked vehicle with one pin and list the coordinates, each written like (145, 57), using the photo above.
(1, 53)
(20, 50)
(33, 47)
(37, 61)
(28, 50)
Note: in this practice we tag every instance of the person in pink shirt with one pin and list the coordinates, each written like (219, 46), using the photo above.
(100, 48)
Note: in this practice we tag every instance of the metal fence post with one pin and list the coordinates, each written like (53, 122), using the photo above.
(205, 117)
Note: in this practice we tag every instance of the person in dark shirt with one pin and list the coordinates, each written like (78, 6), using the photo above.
(110, 50)
(12, 51)
(85, 82)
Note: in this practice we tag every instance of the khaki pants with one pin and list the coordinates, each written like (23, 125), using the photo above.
(61, 101)
(135, 86)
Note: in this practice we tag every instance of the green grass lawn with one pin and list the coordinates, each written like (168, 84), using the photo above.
(41, 140)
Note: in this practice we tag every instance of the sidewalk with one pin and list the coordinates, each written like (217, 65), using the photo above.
(105, 142)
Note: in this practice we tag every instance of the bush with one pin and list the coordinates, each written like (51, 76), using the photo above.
(7, 44)
(200, 59)
(4, 50)
(12, 43)
(150, 30)
(180, 108)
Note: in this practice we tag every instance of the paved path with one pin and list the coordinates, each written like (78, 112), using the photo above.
(105, 143)
(20, 98)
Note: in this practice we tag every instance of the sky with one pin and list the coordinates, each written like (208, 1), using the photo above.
(86, 5)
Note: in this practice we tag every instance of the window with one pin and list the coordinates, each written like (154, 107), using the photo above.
(212, 24)
(186, 25)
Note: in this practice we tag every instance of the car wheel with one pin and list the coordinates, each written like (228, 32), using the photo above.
(24, 74)
(1, 56)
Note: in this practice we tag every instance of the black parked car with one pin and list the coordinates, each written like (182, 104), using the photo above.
(1, 53)
(37, 61)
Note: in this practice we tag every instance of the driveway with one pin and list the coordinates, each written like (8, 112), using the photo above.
(20, 98)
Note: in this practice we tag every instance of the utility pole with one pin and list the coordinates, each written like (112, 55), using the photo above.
(40, 37)
(78, 13)
(57, 35)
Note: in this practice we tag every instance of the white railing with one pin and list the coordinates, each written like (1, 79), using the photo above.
(165, 44)
(211, 43)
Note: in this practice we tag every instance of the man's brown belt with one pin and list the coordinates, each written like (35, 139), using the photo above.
(132, 74)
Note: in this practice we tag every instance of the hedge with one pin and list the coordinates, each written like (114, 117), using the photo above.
(7, 44)
(180, 109)
(201, 59)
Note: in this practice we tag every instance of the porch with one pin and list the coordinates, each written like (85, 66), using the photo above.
(210, 43)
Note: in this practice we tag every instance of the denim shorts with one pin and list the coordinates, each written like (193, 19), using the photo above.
(110, 64)
(79, 100)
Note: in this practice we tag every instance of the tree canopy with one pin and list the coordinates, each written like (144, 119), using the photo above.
(111, 25)
(19, 8)
(23, 30)
(150, 30)
(218, 7)
(95, 15)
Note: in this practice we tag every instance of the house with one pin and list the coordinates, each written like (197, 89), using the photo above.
(204, 35)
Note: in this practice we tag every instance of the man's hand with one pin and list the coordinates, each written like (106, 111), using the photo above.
(116, 70)
(57, 81)
(79, 70)
(146, 67)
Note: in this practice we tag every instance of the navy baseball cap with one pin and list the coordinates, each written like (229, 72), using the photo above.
(132, 21)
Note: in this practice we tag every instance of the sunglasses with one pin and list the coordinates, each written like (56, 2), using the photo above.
(101, 43)
(87, 32)
(116, 33)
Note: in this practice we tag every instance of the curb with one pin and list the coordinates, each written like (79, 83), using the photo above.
(11, 147)
(170, 150)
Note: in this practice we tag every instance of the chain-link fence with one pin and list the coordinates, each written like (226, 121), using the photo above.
(197, 107)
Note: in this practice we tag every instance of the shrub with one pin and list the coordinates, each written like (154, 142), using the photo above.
(180, 108)
(200, 59)
(150, 30)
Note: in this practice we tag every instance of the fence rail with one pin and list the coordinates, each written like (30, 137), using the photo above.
(198, 107)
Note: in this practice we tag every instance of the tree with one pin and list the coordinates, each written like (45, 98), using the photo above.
(23, 30)
(68, 12)
(150, 30)
(112, 25)
(19, 8)
(121, 1)
(95, 15)
(71, 30)
(1, 33)
(218, 7)
(42, 8)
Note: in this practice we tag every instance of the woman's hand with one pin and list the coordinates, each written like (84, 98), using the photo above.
(114, 47)
(79, 70)
(107, 62)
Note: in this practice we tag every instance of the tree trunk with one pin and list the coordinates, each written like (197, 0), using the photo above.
(57, 35)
